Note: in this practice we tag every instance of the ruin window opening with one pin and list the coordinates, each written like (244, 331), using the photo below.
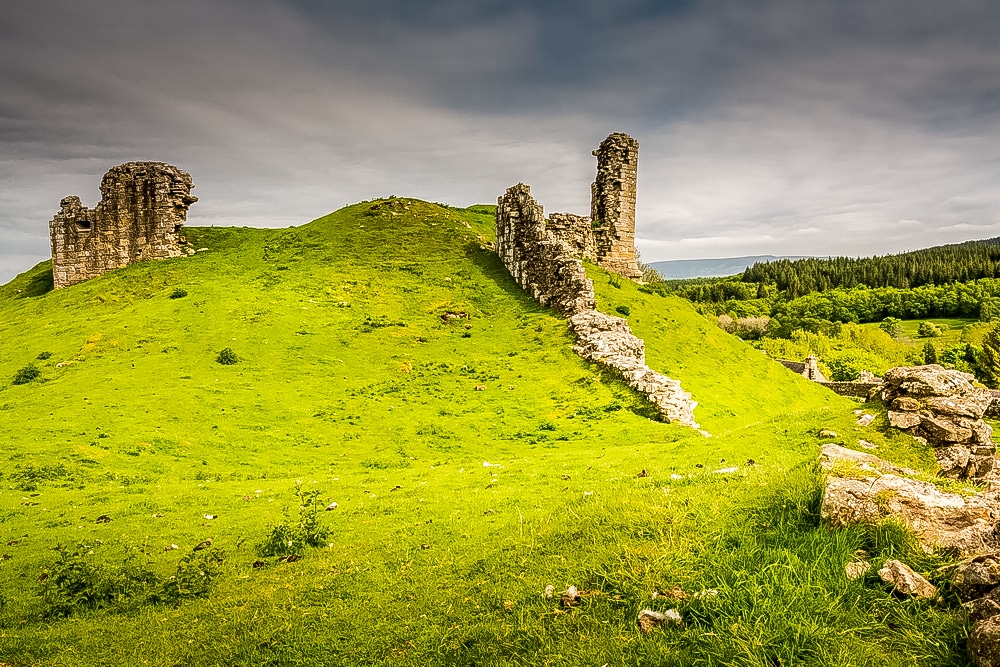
(83, 225)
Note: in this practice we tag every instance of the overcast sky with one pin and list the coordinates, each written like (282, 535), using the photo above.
(851, 127)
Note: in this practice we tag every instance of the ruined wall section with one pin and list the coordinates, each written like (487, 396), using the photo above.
(540, 262)
(140, 216)
(576, 232)
(546, 266)
(612, 204)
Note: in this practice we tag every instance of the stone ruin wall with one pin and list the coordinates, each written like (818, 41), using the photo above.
(539, 261)
(612, 204)
(576, 232)
(140, 216)
(545, 261)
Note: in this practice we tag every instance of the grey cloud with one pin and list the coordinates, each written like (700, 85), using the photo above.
(756, 121)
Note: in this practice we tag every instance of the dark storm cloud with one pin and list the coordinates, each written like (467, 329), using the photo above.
(783, 127)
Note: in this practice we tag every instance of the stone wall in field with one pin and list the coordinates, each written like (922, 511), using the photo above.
(546, 263)
(142, 210)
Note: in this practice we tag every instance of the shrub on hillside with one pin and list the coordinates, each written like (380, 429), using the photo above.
(623, 310)
(77, 581)
(752, 328)
(292, 535)
(227, 357)
(892, 326)
(928, 330)
(178, 293)
(26, 374)
(930, 353)
(42, 356)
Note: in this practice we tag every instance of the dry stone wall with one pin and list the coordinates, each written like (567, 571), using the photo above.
(140, 216)
(547, 266)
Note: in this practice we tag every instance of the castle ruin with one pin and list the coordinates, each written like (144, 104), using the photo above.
(607, 237)
(142, 210)
(545, 257)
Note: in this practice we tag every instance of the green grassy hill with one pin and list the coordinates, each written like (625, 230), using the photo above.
(388, 363)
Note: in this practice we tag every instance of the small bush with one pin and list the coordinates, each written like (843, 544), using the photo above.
(291, 535)
(42, 356)
(623, 310)
(178, 293)
(77, 581)
(227, 357)
(26, 374)
(928, 330)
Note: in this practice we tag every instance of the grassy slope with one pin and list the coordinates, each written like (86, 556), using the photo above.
(352, 382)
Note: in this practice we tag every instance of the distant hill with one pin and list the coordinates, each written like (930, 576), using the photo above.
(678, 269)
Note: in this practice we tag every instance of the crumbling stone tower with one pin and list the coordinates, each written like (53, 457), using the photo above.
(142, 210)
(612, 204)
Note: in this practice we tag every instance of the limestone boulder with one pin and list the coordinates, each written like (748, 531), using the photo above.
(903, 420)
(944, 408)
(977, 577)
(984, 642)
(929, 380)
(905, 581)
(943, 430)
(861, 488)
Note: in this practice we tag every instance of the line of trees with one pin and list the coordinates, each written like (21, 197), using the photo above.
(959, 262)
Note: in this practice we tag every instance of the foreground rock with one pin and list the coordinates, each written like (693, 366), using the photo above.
(862, 488)
(978, 583)
(984, 642)
(945, 408)
(905, 581)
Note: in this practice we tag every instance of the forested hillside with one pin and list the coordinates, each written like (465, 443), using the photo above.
(960, 262)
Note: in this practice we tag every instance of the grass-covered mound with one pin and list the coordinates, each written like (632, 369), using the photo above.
(382, 358)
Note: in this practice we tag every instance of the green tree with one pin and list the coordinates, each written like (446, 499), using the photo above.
(891, 326)
(989, 360)
(930, 353)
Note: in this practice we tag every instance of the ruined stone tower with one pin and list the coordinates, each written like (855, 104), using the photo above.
(142, 210)
(612, 204)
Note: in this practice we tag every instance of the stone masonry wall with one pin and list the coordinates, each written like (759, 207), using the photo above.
(142, 210)
(576, 232)
(612, 204)
(545, 266)
(540, 263)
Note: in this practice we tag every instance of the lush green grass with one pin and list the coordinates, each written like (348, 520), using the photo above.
(951, 326)
(353, 380)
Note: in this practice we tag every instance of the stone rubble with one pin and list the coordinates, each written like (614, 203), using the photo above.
(861, 488)
(142, 210)
(649, 619)
(944, 408)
